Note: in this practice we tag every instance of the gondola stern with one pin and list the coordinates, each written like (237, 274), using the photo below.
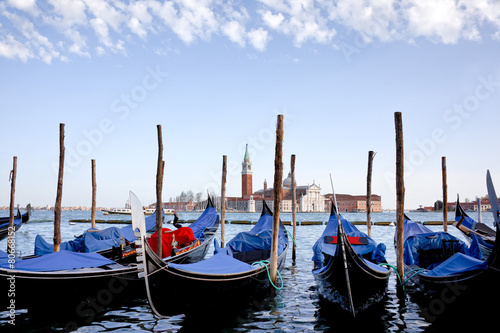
(333, 210)
(265, 209)
(210, 203)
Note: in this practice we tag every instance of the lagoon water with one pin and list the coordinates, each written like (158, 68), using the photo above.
(295, 308)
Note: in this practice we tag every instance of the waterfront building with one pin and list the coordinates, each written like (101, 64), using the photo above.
(354, 203)
(308, 197)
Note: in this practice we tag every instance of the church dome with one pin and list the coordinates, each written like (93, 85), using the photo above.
(288, 181)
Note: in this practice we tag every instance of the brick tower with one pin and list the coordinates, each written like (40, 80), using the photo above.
(246, 176)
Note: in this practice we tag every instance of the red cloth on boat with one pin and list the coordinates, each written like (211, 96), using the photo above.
(172, 239)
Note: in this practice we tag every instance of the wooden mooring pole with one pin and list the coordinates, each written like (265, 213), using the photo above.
(479, 218)
(223, 200)
(400, 192)
(445, 195)
(10, 240)
(94, 192)
(159, 187)
(57, 206)
(278, 175)
(294, 213)
(371, 155)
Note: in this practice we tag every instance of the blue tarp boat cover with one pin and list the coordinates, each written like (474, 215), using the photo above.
(17, 223)
(319, 248)
(62, 260)
(219, 263)
(222, 262)
(206, 220)
(3, 257)
(94, 240)
(471, 224)
(412, 228)
(259, 237)
(458, 263)
(418, 238)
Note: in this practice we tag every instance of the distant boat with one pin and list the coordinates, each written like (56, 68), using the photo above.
(18, 220)
(117, 211)
(127, 211)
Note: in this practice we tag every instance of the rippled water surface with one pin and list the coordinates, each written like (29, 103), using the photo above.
(295, 308)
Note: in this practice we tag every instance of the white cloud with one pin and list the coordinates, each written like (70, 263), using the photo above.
(11, 48)
(259, 38)
(271, 20)
(33, 40)
(67, 13)
(435, 19)
(235, 31)
(79, 45)
(371, 19)
(56, 29)
(300, 19)
(24, 5)
(106, 13)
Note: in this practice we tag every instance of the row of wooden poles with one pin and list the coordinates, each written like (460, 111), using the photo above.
(278, 175)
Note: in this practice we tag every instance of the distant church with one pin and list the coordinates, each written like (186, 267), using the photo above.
(308, 197)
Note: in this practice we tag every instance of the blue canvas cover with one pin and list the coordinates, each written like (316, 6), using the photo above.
(471, 224)
(419, 238)
(42, 247)
(219, 263)
(17, 223)
(457, 264)
(4, 256)
(206, 220)
(350, 230)
(259, 237)
(412, 228)
(90, 241)
(61, 260)
(93, 241)
(467, 221)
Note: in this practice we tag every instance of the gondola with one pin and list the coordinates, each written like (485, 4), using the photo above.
(113, 243)
(65, 282)
(18, 221)
(199, 235)
(444, 274)
(83, 284)
(346, 266)
(118, 244)
(475, 231)
(232, 276)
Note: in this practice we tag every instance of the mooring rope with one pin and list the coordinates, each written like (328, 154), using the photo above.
(291, 236)
(395, 270)
(264, 263)
(416, 270)
(405, 279)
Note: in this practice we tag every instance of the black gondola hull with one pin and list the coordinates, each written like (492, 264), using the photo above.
(73, 292)
(77, 290)
(367, 286)
(173, 290)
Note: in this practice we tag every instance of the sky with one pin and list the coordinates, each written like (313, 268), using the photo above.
(216, 73)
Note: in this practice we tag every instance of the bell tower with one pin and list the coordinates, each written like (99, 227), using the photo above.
(246, 176)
